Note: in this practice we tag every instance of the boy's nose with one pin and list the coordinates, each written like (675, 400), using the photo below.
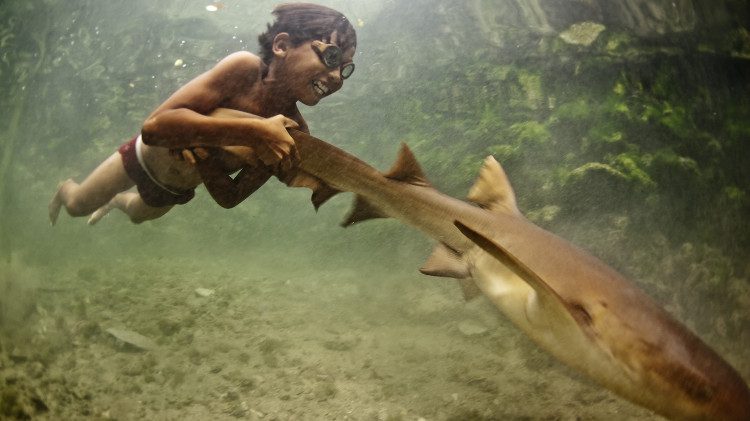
(334, 76)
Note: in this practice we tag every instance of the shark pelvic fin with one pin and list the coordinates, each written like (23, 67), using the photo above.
(492, 190)
(446, 263)
(362, 211)
(407, 169)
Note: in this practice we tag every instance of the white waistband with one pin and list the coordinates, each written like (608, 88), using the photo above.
(139, 155)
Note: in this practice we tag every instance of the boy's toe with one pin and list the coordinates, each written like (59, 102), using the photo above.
(54, 207)
(98, 214)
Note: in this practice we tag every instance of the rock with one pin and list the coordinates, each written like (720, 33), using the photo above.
(344, 342)
(18, 356)
(204, 292)
(471, 328)
(324, 391)
(582, 33)
(133, 339)
(132, 369)
(168, 327)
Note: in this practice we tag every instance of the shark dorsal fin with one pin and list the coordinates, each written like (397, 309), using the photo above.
(492, 190)
(445, 262)
(362, 211)
(407, 169)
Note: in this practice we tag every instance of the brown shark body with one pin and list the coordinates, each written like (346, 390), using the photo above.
(573, 305)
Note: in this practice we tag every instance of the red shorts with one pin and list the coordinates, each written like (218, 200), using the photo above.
(152, 194)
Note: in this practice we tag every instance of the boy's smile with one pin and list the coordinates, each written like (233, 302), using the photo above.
(320, 88)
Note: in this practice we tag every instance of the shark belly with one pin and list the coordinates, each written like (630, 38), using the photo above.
(548, 324)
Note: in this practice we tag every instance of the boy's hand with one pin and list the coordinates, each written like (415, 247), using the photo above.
(278, 148)
(189, 155)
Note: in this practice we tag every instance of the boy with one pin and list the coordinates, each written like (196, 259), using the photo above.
(306, 55)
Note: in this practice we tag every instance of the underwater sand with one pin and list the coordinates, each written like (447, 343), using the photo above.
(279, 344)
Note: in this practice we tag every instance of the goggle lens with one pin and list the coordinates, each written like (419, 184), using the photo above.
(330, 55)
(347, 71)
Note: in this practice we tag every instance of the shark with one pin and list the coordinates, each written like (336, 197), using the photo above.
(569, 302)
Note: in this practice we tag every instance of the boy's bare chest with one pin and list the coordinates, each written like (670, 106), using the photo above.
(248, 103)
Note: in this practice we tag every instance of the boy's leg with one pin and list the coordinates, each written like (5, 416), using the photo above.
(108, 179)
(133, 206)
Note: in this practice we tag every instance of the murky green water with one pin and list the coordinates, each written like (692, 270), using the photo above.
(622, 128)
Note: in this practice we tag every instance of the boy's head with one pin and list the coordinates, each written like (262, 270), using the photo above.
(306, 22)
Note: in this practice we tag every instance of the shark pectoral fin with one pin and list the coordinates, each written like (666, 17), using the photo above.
(298, 178)
(362, 211)
(547, 302)
(492, 190)
(407, 169)
(446, 263)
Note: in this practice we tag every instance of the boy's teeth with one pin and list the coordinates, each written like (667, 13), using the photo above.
(320, 88)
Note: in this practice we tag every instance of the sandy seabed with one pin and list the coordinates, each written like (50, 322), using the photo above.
(274, 344)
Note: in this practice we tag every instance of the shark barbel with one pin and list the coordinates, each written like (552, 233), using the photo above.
(570, 303)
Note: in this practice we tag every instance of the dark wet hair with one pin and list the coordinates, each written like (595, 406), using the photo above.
(305, 22)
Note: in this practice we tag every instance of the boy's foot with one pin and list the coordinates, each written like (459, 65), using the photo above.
(99, 214)
(56, 203)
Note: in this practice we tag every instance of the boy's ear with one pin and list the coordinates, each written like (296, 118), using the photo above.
(281, 44)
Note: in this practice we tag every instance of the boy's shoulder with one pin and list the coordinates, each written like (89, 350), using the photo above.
(241, 61)
(243, 56)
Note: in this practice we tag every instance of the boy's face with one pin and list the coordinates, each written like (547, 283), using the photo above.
(310, 79)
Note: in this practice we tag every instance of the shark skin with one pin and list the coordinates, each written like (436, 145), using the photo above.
(569, 302)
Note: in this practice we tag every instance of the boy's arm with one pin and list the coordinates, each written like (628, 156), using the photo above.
(183, 120)
(228, 192)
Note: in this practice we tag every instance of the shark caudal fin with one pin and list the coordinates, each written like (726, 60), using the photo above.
(406, 169)
(492, 190)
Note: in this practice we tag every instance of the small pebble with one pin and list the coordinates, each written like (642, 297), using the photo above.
(204, 292)
(472, 328)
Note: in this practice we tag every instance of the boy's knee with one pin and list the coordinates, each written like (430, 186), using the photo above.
(76, 207)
